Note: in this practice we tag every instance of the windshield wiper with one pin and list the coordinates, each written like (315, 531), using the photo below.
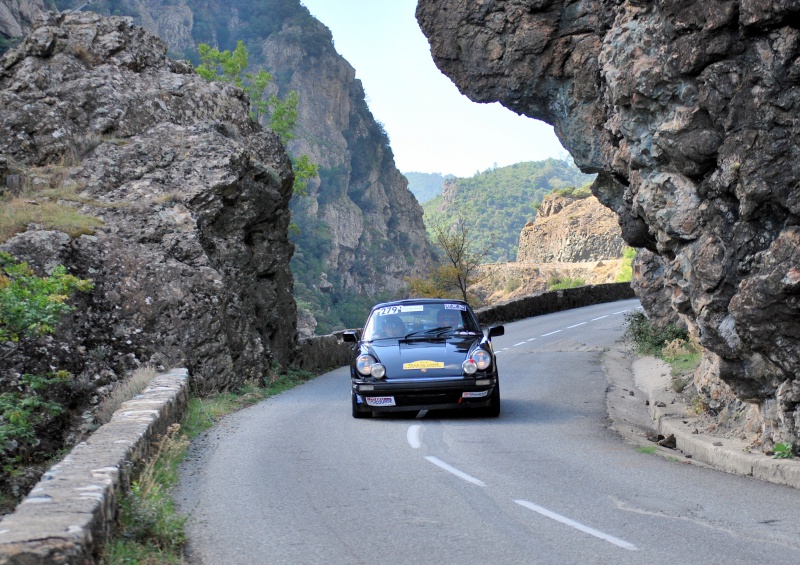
(441, 330)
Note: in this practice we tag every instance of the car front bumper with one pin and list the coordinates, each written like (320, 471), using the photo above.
(446, 393)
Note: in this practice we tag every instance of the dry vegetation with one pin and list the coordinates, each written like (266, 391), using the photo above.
(506, 281)
(46, 197)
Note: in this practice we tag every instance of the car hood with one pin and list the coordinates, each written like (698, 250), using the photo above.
(423, 358)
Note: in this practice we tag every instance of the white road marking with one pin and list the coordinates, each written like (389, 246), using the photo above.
(620, 312)
(551, 333)
(454, 471)
(578, 526)
(413, 436)
(600, 318)
(532, 339)
(576, 325)
(518, 344)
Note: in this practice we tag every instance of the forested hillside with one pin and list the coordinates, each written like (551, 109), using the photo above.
(501, 201)
(426, 186)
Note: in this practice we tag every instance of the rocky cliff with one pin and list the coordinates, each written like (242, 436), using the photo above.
(688, 113)
(191, 264)
(569, 230)
(359, 231)
(377, 235)
(16, 18)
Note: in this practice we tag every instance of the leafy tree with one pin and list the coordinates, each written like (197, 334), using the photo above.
(230, 66)
(304, 170)
(459, 268)
(626, 269)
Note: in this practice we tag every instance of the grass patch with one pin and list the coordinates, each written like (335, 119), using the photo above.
(123, 392)
(17, 213)
(149, 529)
(562, 283)
(648, 449)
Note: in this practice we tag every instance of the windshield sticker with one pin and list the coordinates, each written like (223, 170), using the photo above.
(387, 310)
(423, 365)
(461, 307)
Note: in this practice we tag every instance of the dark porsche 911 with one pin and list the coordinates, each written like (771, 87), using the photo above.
(423, 354)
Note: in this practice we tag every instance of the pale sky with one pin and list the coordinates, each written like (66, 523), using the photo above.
(432, 127)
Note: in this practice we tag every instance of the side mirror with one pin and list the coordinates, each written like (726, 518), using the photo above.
(350, 336)
(497, 330)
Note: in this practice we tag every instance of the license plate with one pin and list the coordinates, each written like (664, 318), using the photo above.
(380, 401)
(475, 394)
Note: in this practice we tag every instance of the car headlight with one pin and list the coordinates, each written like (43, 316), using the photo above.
(469, 366)
(482, 359)
(367, 365)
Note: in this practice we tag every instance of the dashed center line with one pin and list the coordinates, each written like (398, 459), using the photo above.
(518, 344)
(551, 333)
(576, 325)
(600, 318)
(412, 435)
(450, 469)
(578, 526)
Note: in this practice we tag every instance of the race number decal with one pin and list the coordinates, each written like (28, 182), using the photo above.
(386, 310)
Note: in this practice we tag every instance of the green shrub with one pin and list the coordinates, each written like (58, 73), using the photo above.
(558, 282)
(23, 411)
(649, 338)
(31, 306)
(626, 269)
(513, 284)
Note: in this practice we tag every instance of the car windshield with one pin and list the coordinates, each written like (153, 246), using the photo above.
(419, 320)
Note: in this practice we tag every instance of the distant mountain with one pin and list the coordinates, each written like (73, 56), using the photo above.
(501, 201)
(426, 186)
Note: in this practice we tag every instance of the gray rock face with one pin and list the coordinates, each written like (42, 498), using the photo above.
(568, 230)
(377, 232)
(359, 223)
(688, 113)
(17, 16)
(191, 267)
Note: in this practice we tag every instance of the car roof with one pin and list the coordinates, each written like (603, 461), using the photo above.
(420, 301)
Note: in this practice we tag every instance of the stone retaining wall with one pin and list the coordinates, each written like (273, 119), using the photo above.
(553, 301)
(69, 514)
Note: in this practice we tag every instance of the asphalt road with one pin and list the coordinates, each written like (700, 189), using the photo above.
(296, 479)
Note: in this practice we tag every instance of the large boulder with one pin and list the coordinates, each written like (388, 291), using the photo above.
(688, 113)
(191, 265)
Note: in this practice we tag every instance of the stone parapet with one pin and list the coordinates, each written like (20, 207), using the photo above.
(69, 514)
(323, 352)
(554, 301)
